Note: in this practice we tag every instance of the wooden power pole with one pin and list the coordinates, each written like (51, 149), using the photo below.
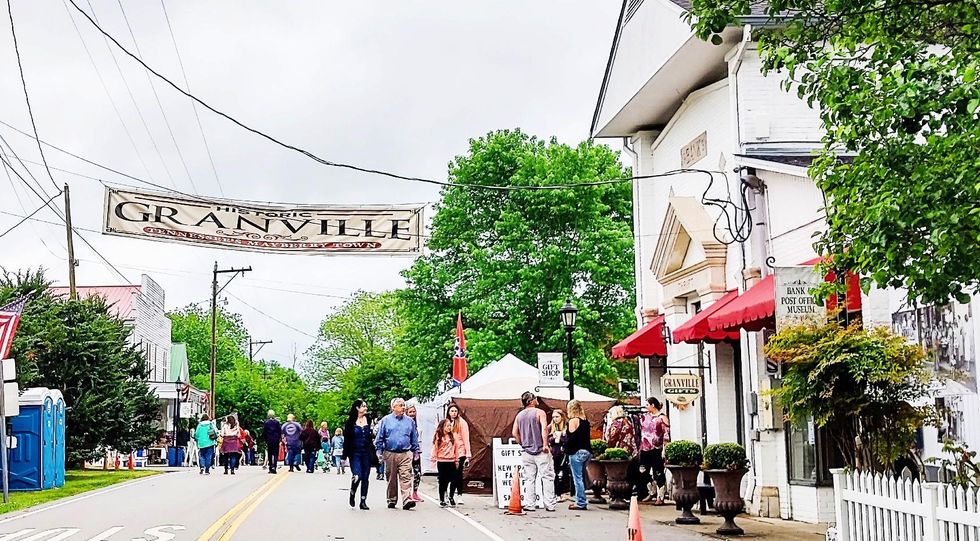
(72, 289)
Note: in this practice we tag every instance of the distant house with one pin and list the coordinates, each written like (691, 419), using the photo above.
(141, 307)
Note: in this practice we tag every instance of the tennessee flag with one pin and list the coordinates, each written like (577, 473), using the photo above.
(459, 353)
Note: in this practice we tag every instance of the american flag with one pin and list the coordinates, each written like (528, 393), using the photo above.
(459, 353)
(9, 319)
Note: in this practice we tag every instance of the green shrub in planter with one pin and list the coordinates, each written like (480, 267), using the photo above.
(598, 447)
(683, 453)
(725, 456)
(616, 453)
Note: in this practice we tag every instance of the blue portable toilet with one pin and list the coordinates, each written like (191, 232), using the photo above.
(34, 463)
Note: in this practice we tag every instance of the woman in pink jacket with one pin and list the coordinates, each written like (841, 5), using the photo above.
(445, 454)
(461, 433)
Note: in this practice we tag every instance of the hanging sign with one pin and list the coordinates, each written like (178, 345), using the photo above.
(261, 227)
(507, 460)
(551, 370)
(794, 302)
(681, 389)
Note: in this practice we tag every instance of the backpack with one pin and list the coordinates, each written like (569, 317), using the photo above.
(212, 433)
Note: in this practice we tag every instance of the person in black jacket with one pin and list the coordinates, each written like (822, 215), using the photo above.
(272, 432)
(359, 450)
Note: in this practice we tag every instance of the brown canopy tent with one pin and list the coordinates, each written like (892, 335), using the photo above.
(490, 412)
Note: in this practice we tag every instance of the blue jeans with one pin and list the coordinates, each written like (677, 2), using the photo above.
(293, 456)
(207, 458)
(337, 461)
(231, 461)
(577, 463)
(310, 458)
(360, 467)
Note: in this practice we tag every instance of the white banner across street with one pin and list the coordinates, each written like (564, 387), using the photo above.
(262, 227)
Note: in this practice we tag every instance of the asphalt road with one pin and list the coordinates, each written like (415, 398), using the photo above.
(254, 505)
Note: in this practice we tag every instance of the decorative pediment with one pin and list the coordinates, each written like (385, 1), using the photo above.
(687, 248)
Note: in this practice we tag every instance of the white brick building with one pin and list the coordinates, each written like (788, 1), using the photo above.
(678, 102)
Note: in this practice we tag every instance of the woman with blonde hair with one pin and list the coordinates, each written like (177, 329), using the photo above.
(578, 450)
(557, 434)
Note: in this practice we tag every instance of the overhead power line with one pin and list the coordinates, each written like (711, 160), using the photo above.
(27, 96)
(358, 168)
(273, 318)
(197, 116)
(31, 215)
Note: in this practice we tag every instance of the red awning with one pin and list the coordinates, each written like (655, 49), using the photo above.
(753, 310)
(646, 342)
(696, 329)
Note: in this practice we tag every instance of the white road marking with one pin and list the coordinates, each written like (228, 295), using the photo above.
(106, 534)
(15, 535)
(63, 533)
(85, 496)
(480, 527)
(159, 533)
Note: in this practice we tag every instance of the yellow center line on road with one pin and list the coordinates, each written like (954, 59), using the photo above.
(262, 491)
(243, 516)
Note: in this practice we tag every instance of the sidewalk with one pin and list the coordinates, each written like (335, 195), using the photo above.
(755, 527)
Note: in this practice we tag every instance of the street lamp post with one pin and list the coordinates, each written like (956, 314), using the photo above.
(568, 313)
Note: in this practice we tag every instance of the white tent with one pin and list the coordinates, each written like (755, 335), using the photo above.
(507, 368)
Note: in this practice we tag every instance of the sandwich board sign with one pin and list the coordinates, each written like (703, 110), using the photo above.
(507, 459)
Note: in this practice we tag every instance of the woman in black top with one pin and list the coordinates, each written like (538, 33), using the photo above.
(578, 450)
(359, 449)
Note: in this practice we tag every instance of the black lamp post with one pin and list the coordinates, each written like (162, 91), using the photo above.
(568, 313)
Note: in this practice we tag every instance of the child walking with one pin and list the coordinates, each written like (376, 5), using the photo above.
(445, 456)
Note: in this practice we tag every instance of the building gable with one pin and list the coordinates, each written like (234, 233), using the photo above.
(688, 258)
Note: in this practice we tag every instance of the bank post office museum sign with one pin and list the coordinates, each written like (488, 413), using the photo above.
(795, 303)
(681, 389)
(263, 227)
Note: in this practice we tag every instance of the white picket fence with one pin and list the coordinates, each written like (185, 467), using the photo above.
(881, 508)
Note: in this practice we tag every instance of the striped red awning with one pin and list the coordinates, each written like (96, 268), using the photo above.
(646, 342)
(696, 329)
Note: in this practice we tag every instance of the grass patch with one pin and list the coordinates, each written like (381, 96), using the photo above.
(76, 482)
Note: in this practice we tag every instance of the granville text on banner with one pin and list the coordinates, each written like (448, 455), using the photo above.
(261, 227)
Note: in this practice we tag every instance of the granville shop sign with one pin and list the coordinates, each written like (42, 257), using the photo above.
(261, 227)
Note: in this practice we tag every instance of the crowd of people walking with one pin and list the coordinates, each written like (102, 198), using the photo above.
(556, 450)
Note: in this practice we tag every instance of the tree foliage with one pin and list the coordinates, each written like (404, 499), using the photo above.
(509, 259)
(896, 84)
(355, 357)
(864, 386)
(247, 388)
(82, 349)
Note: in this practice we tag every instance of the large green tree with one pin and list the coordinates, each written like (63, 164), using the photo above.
(509, 259)
(80, 348)
(355, 355)
(192, 326)
(896, 85)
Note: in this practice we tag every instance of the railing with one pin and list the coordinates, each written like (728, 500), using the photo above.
(875, 507)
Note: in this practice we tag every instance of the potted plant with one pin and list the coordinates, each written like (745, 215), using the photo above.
(726, 464)
(596, 471)
(616, 462)
(683, 459)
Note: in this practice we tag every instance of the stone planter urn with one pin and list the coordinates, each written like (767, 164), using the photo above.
(685, 492)
(597, 477)
(619, 487)
(728, 498)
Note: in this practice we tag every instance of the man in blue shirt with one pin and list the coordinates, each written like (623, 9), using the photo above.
(397, 441)
(294, 448)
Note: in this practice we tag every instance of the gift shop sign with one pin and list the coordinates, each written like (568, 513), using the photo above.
(794, 302)
(263, 227)
(507, 459)
(551, 371)
(681, 389)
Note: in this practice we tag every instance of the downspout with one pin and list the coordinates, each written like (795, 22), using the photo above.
(643, 363)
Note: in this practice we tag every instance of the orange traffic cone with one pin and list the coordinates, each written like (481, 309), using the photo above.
(633, 532)
(131, 461)
(515, 507)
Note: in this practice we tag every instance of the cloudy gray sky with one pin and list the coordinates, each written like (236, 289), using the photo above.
(398, 85)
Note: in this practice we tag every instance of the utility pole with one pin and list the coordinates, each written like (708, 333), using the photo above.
(214, 322)
(260, 343)
(72, 290)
